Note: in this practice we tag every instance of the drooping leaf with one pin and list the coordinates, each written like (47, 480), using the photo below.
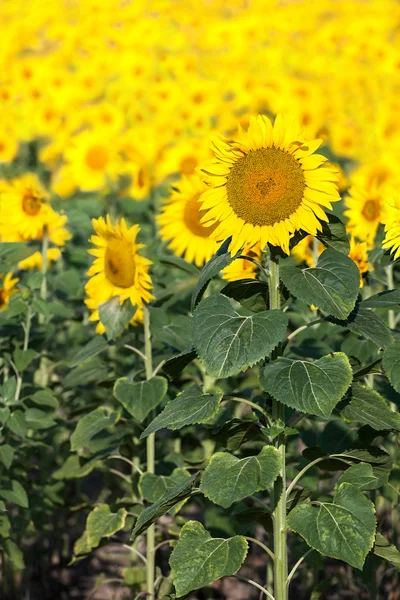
(232, 434)
(379, 459)
(386, 550)
(251, 293)
(93, 348)
(391, 364)
(115, 316)
(228, 342)
(39, 419)
(140, 398)
(173, 496)
(91, 424)
(6, 455)
(152, 487)
(92, 370)
(334, 235)
(361, 476)
(332, 285)
(12, 491)
(198, 559)
(100, 523)
(228, 479)
(386, 299)
(180, 263)
(343, 529)
(370, 408)
(17, 423)
(310, 387)
(188, 408)
(221, 259)
(174, 366)
(364, 322)
(14, 554)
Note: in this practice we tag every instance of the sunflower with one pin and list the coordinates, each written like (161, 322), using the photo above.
(364, 212)
(243, 269)
(266, 185)
(392, 226)
(7, 290)
(34, 261)
(308, 250)
(118, 270)
(181, 224)
(359, 254)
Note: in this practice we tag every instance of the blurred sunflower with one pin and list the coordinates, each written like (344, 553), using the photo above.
(243, 269)
(359, 254)
(392, 226)
(180, 222)
(36, 259)
(118, 270)
(364, 212)
(266, 185)
(7, 290)
(308, 250)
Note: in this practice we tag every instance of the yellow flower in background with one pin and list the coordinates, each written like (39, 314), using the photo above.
(392, 226)
(118, 269)
(7, 290)
(243, 269)
(359, 254)
(364, 212)
(308, 250)
(181, 224)
(35, 261)
(266, 185)
(8, 144)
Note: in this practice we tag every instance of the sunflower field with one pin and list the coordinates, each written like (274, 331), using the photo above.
(199, 299)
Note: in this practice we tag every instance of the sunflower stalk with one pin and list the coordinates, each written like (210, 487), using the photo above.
(150, 456)
(279, 492)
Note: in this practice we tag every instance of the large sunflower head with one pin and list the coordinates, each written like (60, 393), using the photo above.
(391, 221)
(7, 290)
(181, 224)
(364, 212)
(266, 185)
(119, 269)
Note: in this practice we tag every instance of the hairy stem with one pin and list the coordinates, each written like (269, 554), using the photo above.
(279, 494)
(150, 457)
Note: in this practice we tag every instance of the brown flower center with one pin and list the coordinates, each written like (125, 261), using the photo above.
(371, 210)
(97, 158)
(192, 216)
(119, 263)
(265, 186)
(188, 165)
(31, 203)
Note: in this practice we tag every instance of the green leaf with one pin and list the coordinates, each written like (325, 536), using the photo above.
(332, 285)
(14, 492)
(180, 263)
(234, 433)
(370, 408)
(139, 399)
(174, 366)
(115, 316)
(334, 235)
(310, 387)
(198, 559)
(4, 415)
(152, 487)
(38, 419)
(188, 408)
(17, 423)
(93, 348)
(386, 299)
(23, 358)
(363, 321)
(91, 424)
(228, 479)
(343, 529)
(361, 476)
(386, 550)
(92, 370)
(228, 342)
(41, 306)
(6, 455)
(391, 364)
(8, 389)
(251, 293)
(173, 496)
(101, 522)
(219, 261)
(45, 398)
(15, 555)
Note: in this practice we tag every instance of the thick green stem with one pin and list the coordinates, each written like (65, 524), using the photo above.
(279, 495)
(150, 457)
(390, 285)
(45, 249)
(27, 329)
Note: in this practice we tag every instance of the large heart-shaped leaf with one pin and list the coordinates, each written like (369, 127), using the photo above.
(228, 342)
(370, 408)
(391, 364)
(188, 408)
(343, 529)
(310, 387)
(332, 285)
(140, 398)
(227, 479)
(198, 559)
